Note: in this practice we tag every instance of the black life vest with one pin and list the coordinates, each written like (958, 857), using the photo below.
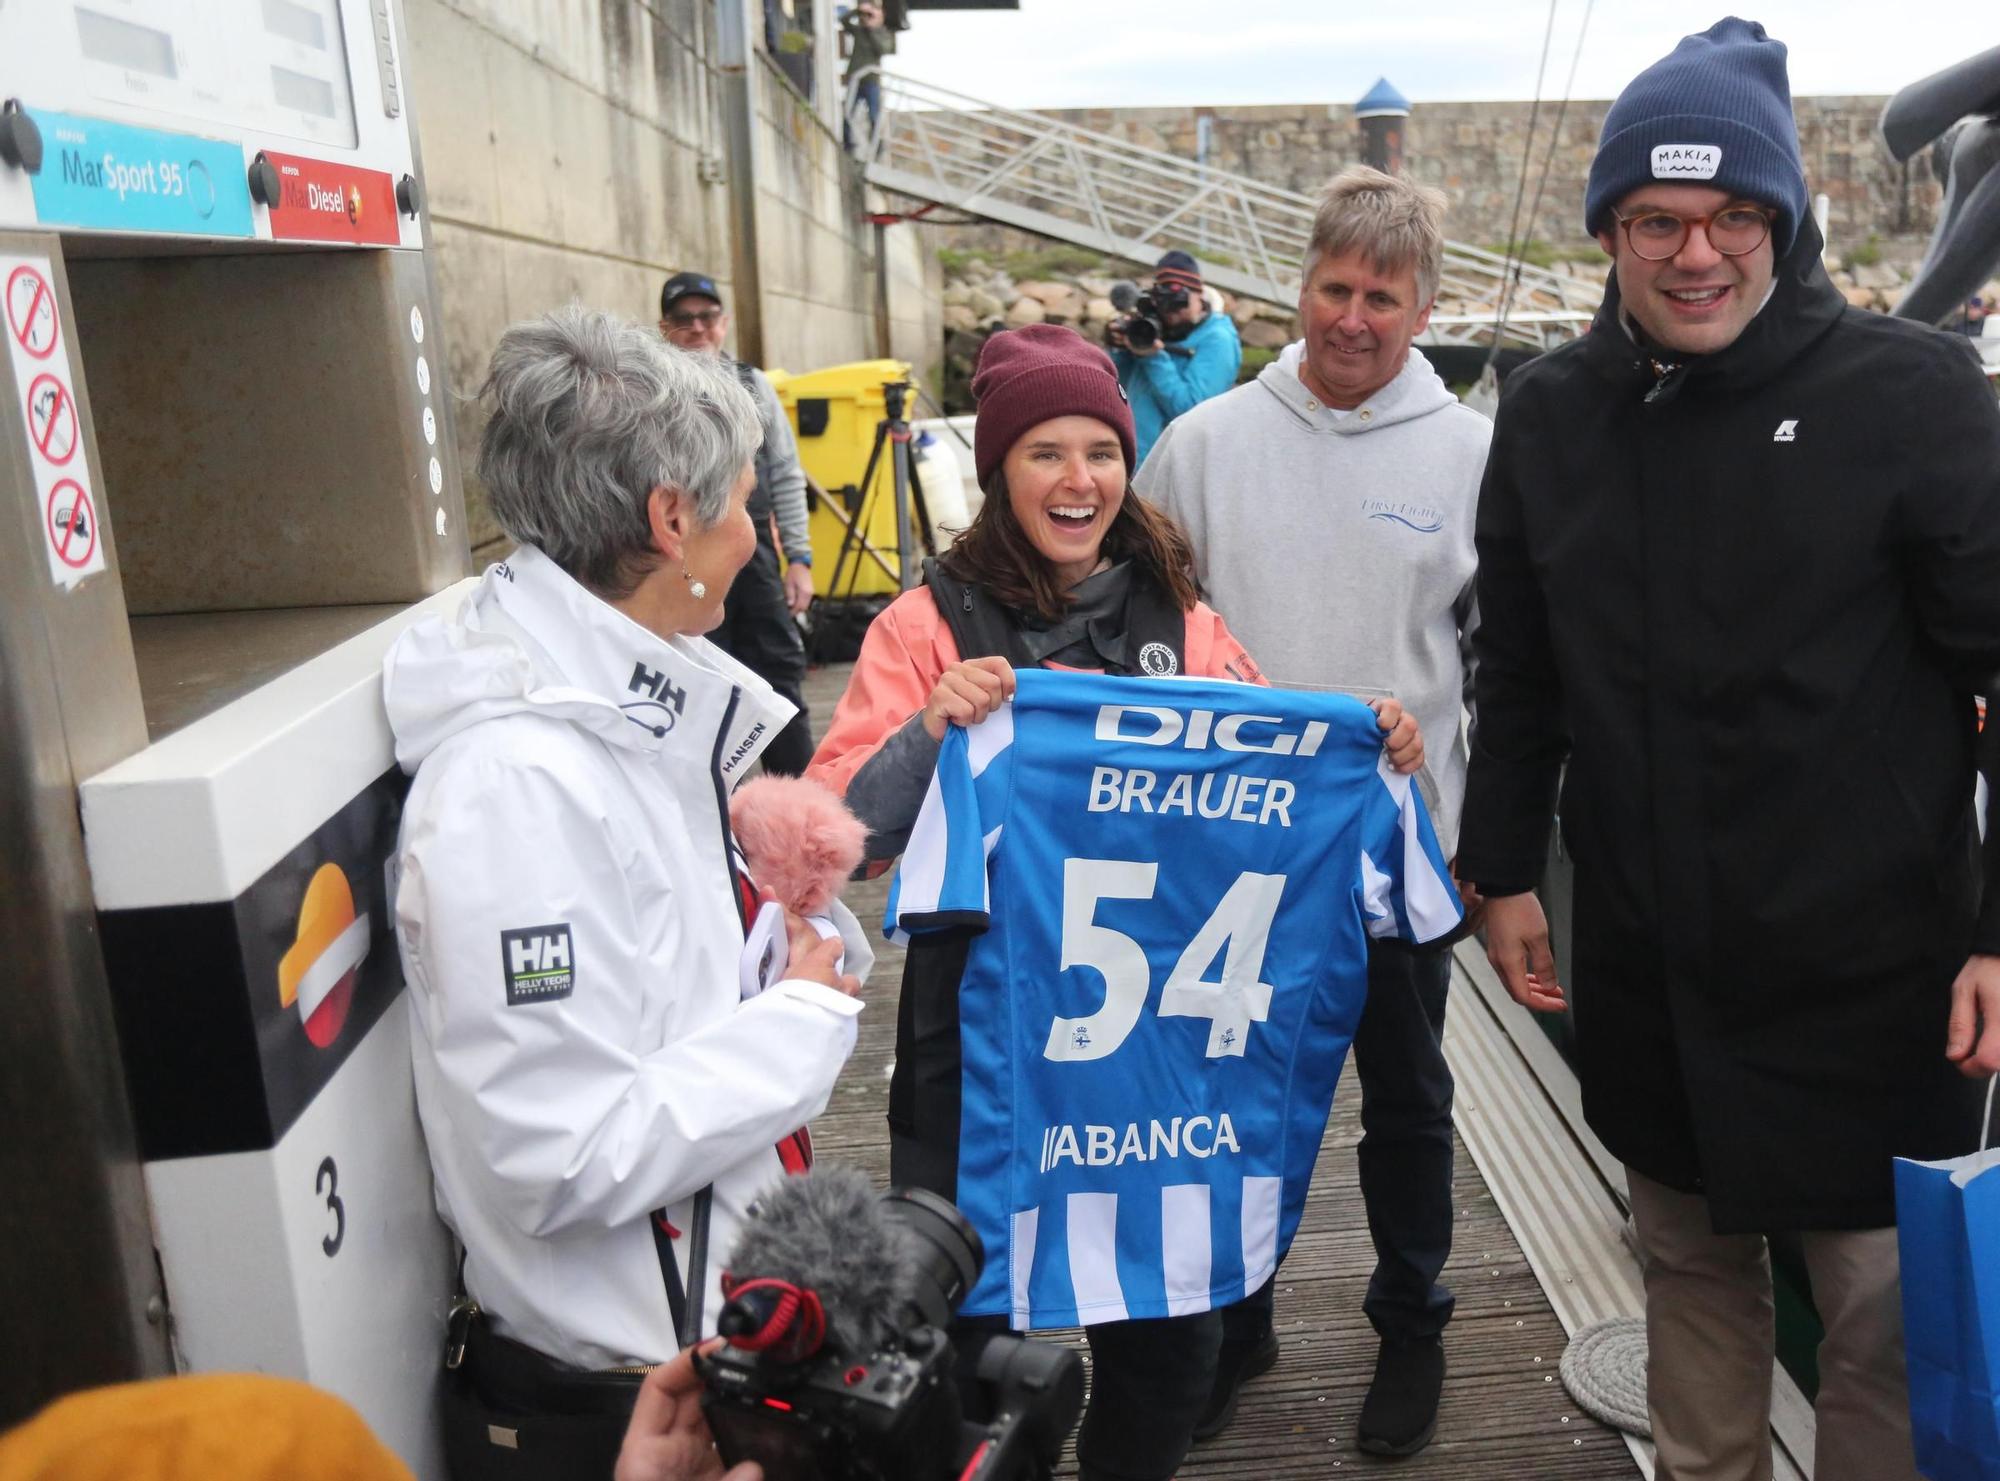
(1155, 629)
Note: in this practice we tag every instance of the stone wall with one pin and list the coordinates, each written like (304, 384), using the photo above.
(574, 149)
(1473, 151)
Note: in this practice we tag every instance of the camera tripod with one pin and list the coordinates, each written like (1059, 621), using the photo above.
(893, 437)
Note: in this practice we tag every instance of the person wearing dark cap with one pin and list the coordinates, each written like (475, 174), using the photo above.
(758, 624)
(1063, 567)
(1739, 582)
(1195, 357)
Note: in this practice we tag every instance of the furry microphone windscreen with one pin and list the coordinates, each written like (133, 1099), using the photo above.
(800, 841)
(829, 1231)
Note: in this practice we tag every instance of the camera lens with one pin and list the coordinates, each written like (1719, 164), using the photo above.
(947, 1249)
(1139, 333)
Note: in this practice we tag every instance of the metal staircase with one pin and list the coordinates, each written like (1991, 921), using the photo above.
(1024, 170)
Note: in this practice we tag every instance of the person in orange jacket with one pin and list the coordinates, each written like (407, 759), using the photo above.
(1063, 567)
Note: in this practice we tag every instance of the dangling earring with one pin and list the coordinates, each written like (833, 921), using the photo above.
(696, 589)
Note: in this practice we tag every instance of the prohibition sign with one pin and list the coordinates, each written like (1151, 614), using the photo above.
(71, 521)
(31, 312)
(52, 419)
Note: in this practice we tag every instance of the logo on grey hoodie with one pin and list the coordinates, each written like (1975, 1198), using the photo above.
(1425, 519)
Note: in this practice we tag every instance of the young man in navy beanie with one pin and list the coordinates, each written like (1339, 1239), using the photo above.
(1739, 582)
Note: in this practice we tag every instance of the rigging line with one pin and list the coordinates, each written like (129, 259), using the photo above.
(1510, 268)
(1548, 164)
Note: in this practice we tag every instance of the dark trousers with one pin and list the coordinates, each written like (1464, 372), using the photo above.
(758, 632)
(1405, 1152)
(1148, 1383)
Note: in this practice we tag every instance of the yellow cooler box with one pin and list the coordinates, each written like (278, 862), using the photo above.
(835, 413)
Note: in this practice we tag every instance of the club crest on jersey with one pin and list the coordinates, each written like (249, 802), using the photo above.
(1158, 660)
(539, 964)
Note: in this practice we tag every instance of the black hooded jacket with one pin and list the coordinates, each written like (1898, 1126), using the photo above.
(1749, 604)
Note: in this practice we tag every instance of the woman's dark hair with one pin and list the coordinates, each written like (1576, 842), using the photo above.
(995, 553)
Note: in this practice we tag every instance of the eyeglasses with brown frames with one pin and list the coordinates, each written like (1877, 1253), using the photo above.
(1732, 231)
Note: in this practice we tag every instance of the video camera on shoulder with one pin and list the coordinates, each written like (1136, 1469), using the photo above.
(837, 1365)
(1139, 313)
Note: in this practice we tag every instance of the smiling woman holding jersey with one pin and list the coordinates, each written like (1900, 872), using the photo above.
(1063, 568)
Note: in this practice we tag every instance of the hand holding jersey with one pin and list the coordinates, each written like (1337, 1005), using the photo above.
(967, 693)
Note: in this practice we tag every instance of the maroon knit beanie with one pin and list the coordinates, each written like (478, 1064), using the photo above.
(1026, 376)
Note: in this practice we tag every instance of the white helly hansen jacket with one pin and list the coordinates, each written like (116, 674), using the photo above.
(569, 929)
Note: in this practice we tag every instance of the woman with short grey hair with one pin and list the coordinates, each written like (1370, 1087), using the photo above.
(603, 1087)
(590, 415)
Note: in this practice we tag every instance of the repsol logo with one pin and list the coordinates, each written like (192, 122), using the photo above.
(1199, 730)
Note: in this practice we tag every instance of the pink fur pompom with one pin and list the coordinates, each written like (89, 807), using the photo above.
(799, 839)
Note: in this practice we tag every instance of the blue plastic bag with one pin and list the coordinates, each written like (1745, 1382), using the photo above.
(1948, 1234)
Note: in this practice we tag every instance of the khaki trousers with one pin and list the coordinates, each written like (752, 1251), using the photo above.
(1711, 1340)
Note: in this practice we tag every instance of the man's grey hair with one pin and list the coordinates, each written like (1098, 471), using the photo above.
(590, 414)
(1394, 223)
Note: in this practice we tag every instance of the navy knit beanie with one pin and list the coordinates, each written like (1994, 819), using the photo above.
(1715, 111)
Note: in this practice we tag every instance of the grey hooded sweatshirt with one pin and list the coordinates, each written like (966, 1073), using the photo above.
(1338, 545)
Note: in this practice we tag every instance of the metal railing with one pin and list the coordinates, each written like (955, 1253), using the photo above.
(1025, 170)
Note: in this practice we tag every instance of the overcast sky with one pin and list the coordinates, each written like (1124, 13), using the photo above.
(1076, 53)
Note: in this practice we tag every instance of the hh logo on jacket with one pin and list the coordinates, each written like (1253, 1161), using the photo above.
(538, 963)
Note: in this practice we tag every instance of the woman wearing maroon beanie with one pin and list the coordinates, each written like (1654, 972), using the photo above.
(1064, 567)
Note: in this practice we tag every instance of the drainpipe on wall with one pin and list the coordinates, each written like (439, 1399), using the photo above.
(737, 25)
(884, 335)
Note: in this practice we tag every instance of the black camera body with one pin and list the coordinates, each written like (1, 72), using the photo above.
(815, 1388)
(1140, 320)
(890, 1414)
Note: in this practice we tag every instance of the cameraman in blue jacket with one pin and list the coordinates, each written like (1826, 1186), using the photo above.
(1195, 356)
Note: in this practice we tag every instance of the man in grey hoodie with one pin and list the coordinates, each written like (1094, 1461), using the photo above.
(1331, 503)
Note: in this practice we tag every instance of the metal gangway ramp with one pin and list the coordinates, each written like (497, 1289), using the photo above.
(1036, 173)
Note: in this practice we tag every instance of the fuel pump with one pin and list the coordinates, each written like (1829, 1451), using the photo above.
(227, 480)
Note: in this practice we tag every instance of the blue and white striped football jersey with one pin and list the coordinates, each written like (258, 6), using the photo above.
(1178, 880)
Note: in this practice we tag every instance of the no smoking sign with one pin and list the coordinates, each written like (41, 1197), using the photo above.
(31, 311)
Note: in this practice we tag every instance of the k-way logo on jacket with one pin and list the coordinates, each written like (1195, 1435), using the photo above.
(539, 964)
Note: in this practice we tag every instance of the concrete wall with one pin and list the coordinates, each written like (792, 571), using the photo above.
(818, 252)
(574, 149)
(1474, 152)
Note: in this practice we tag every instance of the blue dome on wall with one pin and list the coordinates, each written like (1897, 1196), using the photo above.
(1381, 99)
